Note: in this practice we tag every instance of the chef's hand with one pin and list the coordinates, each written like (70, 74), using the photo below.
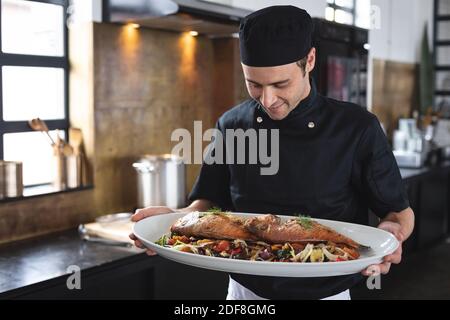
(395, 258)
(145, 213)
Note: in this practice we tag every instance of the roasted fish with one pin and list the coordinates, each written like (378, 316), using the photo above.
(269, 228)
(216, 225)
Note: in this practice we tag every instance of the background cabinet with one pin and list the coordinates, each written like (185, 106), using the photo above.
(138, 277)
(429, 197)
(341, 66)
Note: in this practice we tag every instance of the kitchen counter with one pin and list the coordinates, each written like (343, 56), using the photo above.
(38, 269)
(428, 190)
(408, 174)
(27, 262)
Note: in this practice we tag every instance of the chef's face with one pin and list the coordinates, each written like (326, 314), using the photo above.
(279, 89)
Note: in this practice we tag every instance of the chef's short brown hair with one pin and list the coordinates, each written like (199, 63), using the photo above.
(302, 64)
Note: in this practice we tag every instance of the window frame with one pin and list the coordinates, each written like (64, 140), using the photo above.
(335, 7)
(27, 60)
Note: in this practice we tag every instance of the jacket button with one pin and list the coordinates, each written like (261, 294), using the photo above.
(259, 119)
(311, 125)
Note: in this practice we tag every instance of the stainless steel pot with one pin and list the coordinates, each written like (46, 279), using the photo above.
(161, 181)
(11, 179)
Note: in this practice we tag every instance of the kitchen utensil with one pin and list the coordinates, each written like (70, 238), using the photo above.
(76, 139)
(39, 125)
(67, 149)
(67, 171)
(73, 171)
(161, 181)
(84, 235)
(115, 217)
(67, 174)
(63, 146)
(11, 179)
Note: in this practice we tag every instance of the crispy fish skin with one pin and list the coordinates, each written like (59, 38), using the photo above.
(212, 226)
(269, 228)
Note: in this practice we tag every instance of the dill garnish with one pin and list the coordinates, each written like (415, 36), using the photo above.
(212, 211)
(304, 221)
(162, 241)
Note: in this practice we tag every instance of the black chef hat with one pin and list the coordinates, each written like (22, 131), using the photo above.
(275, 36)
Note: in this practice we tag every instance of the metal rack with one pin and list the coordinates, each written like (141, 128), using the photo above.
(441, 46)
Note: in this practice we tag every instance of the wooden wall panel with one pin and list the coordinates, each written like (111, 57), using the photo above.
(395, 93)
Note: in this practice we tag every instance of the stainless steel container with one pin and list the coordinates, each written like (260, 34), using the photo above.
(11, 179)
(161, 181)
(67, 173)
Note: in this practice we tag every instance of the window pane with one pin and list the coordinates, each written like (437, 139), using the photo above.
(343, 17)
(443, 104)
(345, 3)
(32, 92)
(329, 14)
(35, 151)
(443, 32)
(444, 7)
(362, 12)
(443, 56)
(443, 80)
(32, 28)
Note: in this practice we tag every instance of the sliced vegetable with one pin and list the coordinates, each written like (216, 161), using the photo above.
(265, 254)
(260, 251)
(317, 255)
(223, 245)
(236, 251)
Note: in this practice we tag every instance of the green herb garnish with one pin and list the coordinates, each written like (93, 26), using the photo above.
(283, 254)
(214, 211)
(305, 221)
(162, 241)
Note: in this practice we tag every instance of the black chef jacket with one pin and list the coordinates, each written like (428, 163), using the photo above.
(334, 163)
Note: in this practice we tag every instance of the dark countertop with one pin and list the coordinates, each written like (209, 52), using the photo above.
(408, 174)
(28, 262)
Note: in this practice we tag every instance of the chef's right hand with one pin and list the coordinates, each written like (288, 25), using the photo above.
(145, 213)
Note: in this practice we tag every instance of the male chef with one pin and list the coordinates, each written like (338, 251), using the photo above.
(334, 160)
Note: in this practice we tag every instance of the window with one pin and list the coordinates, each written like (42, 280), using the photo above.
(33, 83)
(353, 12)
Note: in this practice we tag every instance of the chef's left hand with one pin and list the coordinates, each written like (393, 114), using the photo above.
(396, 257)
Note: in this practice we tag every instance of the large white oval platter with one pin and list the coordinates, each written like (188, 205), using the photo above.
(381, 243)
